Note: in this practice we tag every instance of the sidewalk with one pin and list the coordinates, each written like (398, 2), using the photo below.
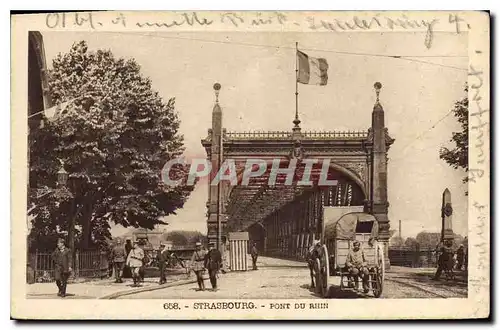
(108, 289)
(98, 288)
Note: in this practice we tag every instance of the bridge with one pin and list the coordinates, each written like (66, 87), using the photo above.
(283, 219)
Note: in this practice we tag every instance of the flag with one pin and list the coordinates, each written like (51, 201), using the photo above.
(312, 71)
(56, 111)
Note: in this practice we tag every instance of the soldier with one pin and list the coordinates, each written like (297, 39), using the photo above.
(460, 257)
(162, 257)
(357, 266)
(62, 266)
(134, 261)
(445, 259)
(118, 256)
(213, 261)
(198, 265)
(255, 254)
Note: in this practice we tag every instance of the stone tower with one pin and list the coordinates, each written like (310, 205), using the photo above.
(380, 205)
(216, 218)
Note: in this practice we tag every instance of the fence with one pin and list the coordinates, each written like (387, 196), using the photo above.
(412, 258)
(87, 264)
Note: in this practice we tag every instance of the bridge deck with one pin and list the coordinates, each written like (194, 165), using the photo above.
(285, 279)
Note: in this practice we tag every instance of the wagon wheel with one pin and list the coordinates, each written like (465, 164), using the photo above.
(378, 284)
(317, 277)
(324, 272)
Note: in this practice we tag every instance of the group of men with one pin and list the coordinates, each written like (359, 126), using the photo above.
(448, 259)
(135, 261)
(211, 260)
(201, 260)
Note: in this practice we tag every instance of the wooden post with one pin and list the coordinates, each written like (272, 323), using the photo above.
(36, 264)
(77, 265)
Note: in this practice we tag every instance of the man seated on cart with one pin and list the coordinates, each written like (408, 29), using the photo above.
(357, 267)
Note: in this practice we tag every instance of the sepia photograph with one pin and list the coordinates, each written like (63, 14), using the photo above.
(223, 167)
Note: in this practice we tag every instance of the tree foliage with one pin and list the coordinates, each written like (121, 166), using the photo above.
(458, 156)
(411, 243)
(184, 237)
(114, 140)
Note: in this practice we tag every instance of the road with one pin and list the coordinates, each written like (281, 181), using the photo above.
(277, 279)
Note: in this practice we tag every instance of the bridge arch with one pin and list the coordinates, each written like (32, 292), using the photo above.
(357, 158)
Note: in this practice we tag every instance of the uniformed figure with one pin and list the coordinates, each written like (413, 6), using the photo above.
(445, 258)
(213, 262)
(162, 257)
(255, 254)
(357, 266)
(135, 262)
(62, 266)
(312, 255)
(198, 265)
(118, 256)
(460, 257)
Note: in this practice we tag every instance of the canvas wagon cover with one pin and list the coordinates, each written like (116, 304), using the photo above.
(345, 227)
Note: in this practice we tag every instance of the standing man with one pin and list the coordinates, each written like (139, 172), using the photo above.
(162, 257)
(460, 257)
(213, 261)
(118, 256)
(198, 265)
(62, 266)
(134, 261)
(255, 254)
(445, 257)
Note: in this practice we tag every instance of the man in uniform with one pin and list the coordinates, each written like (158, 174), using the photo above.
(198, 265)
(357, 266)
(118, 256)
(62, 266)
(445, 259)
(162, 257)
(460, 257)
(213, 261)
(312, 255)
(134, 261)
(255, 254)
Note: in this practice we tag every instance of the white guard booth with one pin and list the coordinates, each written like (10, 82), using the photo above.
(238, 245)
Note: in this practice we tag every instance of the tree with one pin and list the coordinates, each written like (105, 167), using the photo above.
(184, 237)
(114, 139)
(411, 243)
(458, 156)
(428, 240)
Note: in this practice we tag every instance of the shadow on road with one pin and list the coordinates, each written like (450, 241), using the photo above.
(336, 293)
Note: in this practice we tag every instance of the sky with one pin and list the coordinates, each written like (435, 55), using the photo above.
(258, 86)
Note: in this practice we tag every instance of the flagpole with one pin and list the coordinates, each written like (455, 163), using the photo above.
(296, 81)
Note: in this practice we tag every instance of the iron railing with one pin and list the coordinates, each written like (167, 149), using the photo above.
(286, 135)
(87, 264)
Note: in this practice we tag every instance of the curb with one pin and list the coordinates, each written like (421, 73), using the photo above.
(146, 289)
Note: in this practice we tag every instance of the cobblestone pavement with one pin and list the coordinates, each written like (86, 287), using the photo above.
(275, 278)
(290, 279)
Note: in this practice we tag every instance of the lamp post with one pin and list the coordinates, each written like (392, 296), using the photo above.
(62, 181)
(62, 177)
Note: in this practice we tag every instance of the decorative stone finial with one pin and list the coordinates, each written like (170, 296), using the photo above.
(378, 87)
(217, 88)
